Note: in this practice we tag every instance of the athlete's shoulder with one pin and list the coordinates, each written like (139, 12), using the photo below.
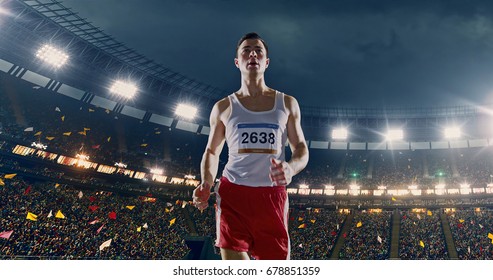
(290, 102)
(223, 104)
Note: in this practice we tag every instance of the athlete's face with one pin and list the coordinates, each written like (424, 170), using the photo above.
(252, 57)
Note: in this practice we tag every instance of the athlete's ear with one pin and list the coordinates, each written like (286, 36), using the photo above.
(236, 63)
(267, 63)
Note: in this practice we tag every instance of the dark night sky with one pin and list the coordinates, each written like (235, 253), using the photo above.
(325, 53)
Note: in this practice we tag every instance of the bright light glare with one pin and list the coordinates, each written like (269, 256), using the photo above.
(39, 146)
(440, 186)
(157, 171)
(186, 111)
(413, 187)
(452, 132)
(3, 10)
(395, 134)
(340, 134)
(82, 156)
(304, 186)
(329, 187)
(354, 187)
(120, 164)
(52, 56)
(124, 89)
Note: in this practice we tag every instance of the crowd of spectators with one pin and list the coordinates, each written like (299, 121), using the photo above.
(396, 169)
(368, 237)
(421, 236)
(313, 233)
(470, 230)
(141, 230)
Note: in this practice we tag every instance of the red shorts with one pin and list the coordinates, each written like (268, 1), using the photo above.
(253, 220)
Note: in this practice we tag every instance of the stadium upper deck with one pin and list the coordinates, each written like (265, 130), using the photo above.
(96, 60)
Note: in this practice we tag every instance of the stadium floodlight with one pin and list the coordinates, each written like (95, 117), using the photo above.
(382, 187)
(40, 146)
(190, 176)
(3, 10)
(339, 134)
(329, 187)
(157, 171)
(354, 187)
(82, 157)
(125, 89)
(52, 55)
(452, 132)
(413, 187)
(440, 186)
(186, 111)
(394, 134)
(465, 188)
(120, 164)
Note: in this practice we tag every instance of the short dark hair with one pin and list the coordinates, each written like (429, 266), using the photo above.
(252, 35)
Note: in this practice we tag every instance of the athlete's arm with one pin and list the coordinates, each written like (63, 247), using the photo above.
(282, 172)
(296, 138)
(210, 159)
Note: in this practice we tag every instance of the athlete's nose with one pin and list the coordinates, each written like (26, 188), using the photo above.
(253, 53)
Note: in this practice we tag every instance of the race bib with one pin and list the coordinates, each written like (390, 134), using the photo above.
(258, 138)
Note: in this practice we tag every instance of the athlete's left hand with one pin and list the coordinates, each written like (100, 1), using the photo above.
(281, 173)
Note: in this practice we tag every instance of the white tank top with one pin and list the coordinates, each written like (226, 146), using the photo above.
(253, 138)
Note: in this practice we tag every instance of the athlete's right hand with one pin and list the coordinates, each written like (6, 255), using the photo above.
(201, 195)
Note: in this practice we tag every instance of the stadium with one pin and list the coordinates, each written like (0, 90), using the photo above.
(95, 167)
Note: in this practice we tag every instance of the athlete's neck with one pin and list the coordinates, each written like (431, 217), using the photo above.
(253, 87)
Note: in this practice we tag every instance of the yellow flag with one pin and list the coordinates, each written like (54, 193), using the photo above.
(300, 218)
(82, 132)
(139, 229)
(393, 199)
(130, 207)
(67, 133)
(490, 236)
(57, 185)
(2, 183)
(429, 213)
(184, 203)
(50, 137)
(158, 132)
(172, 221)
(31, 216)
(59, 215)
(302, 226)
(109, 138)
(313, 221)
(10, 176)
(461, 220)
(63, 118)
(421, 243)
(166, 210)
(359, 224)
(38, 133)
(86, 128)
(143, 145)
